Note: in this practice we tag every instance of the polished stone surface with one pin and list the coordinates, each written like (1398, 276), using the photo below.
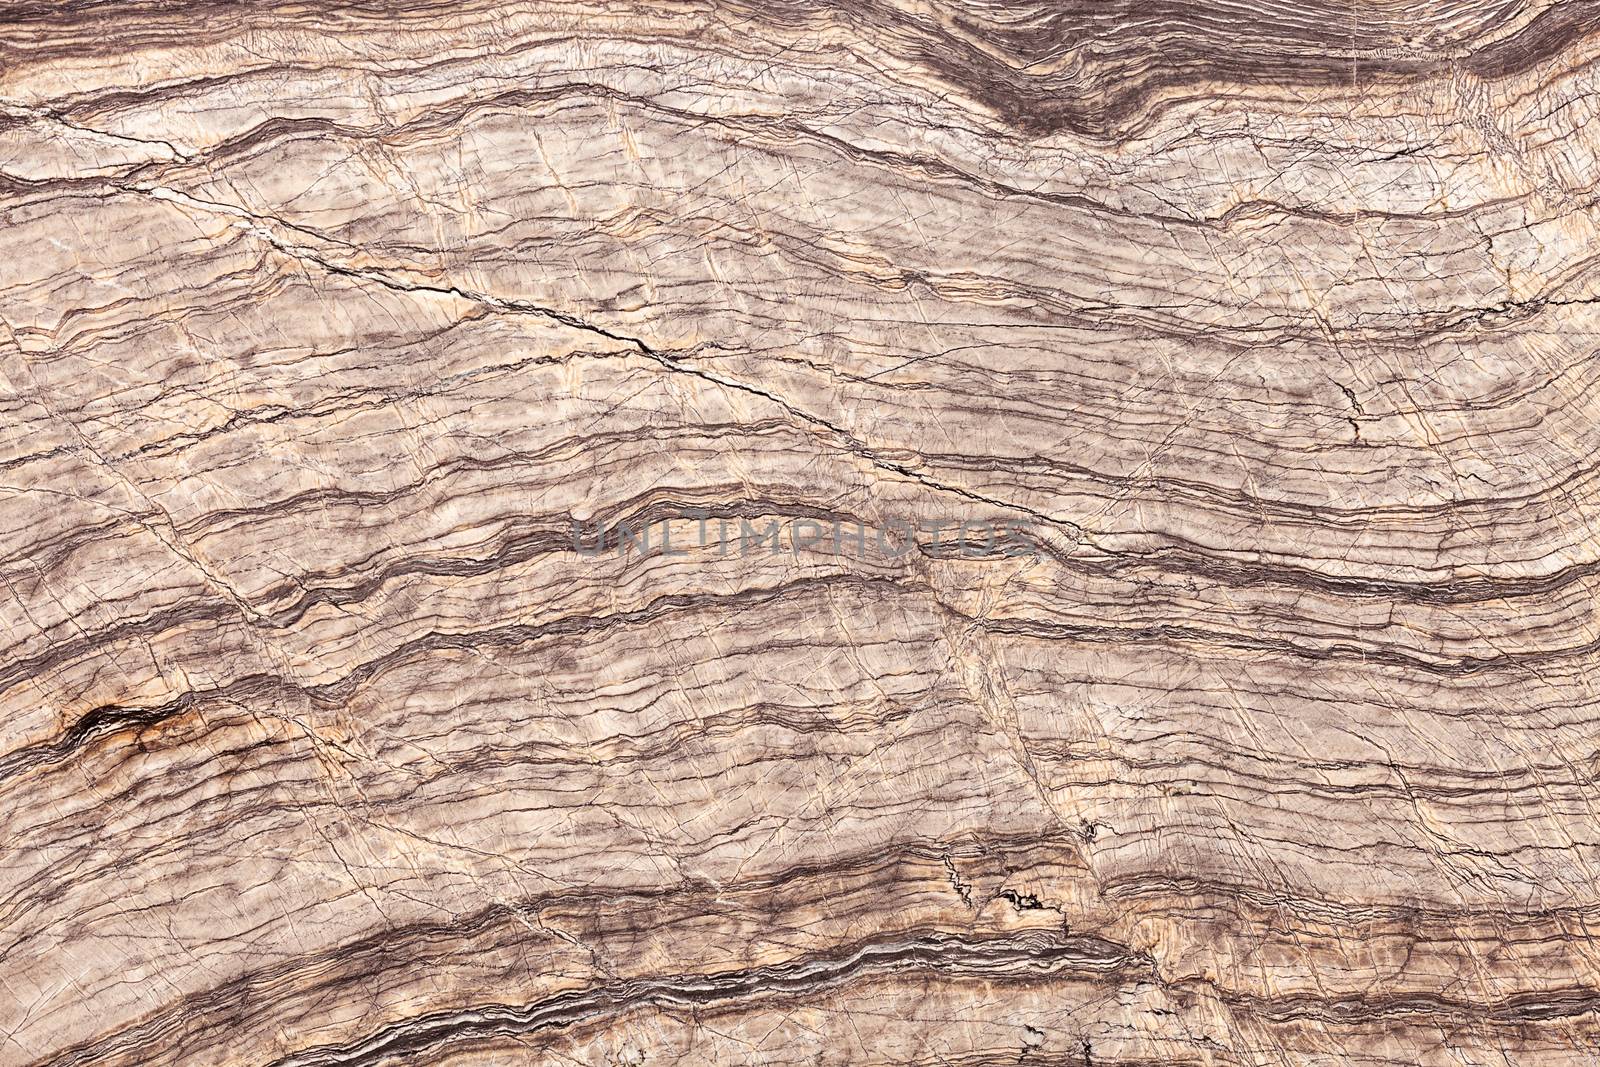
(349, 352)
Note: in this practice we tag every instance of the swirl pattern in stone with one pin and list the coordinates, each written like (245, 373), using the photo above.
(1266, 732)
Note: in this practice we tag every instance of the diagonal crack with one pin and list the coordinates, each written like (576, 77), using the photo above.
(262, 227)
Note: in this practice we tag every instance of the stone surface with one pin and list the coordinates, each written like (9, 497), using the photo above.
(1262, 338)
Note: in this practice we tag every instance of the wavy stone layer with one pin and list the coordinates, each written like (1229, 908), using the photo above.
(1274, 326)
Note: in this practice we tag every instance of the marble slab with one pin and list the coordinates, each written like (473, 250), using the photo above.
(800, 533)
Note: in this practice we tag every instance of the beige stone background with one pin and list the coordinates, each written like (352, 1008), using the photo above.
(1275, 322)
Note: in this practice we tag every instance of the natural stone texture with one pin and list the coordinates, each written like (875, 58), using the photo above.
(1266, 731)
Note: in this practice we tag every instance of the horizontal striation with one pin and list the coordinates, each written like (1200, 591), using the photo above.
(348, 353)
